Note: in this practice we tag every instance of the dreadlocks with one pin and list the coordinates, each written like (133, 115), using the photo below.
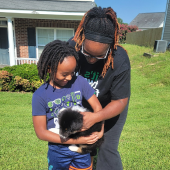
(53, 53)
(101, 22)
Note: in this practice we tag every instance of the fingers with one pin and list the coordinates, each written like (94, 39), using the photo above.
(92, 139)
(83, 113)
(102, 130)
(99, 134)
(83, 129)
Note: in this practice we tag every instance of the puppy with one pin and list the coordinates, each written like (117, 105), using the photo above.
(71, 122)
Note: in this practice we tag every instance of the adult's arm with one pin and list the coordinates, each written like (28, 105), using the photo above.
(114, 108)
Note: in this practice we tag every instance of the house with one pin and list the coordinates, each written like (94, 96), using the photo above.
(146, 21)
(26, 26)
(166, 27)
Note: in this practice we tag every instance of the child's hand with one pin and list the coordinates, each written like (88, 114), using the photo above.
(99, 134)
(87, 139)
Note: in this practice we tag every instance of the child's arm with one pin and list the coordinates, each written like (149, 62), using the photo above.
(44, 134)
(94, 103)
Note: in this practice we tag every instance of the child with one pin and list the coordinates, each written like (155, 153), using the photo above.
(62, 90)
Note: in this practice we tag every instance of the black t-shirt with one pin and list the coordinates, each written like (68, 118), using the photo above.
(116, 83)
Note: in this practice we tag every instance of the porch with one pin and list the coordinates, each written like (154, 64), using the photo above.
(22, 40)
(19, 61)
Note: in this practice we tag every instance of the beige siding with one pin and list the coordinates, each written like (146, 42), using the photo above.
(166, 31)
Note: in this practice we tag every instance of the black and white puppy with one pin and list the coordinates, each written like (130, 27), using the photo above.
(71, 122)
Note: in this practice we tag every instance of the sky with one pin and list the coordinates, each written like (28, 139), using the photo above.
(127, 10)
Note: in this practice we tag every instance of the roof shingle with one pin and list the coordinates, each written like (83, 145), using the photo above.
(47, 5)
(148, 20)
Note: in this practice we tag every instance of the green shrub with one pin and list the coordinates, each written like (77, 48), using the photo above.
(14, 82)
(25, 71)
(5, 79)
(20, 84)
(36, 84)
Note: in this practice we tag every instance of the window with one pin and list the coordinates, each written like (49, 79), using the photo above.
(3, 23)
(46, 35)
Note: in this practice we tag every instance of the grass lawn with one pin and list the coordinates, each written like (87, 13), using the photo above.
(145, 140)
(20, 148)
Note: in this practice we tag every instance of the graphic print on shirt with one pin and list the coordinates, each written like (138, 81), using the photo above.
(91, 77)
(69, 100)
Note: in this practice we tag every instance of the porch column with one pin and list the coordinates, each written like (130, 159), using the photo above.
(11, 42)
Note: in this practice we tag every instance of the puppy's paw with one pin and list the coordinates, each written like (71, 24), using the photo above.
(73, 148)
(54, 130)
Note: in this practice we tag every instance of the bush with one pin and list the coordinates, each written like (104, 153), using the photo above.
(20, 78)
(5, 79)
(124, 29)
(25, 71)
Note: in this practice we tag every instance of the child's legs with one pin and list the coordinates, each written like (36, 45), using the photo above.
(61, 158)
(81, 162)
(58, 160)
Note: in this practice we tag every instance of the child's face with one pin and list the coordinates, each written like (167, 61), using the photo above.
(65, 71)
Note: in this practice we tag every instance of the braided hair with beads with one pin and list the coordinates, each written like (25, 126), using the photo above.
(102, 22)
(53, 53)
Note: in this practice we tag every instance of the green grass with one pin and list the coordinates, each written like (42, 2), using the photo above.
(145, 140)
(20, 148)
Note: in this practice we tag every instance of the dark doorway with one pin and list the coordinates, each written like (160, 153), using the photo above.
(4, 54)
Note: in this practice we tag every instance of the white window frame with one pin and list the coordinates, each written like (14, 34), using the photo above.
(4, 19)
(54, 28)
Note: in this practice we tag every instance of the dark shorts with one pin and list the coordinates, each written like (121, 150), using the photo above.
(61, 158)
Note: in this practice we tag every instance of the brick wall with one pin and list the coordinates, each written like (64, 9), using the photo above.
(21, 26)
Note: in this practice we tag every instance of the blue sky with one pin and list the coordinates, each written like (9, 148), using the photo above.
(127, 10)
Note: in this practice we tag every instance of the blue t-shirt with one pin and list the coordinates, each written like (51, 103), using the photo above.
(48, 100)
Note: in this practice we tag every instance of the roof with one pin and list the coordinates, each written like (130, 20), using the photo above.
(47, 5)
(148, 20)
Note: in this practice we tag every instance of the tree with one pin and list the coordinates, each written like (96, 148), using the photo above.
(120, 21)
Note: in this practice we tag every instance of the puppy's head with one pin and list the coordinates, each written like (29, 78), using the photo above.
(70, 122)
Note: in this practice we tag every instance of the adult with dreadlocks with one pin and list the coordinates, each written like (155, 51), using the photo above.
(105, 64)
(59, 60)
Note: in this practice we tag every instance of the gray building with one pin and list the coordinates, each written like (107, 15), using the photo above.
(146, 21)
(166, 27)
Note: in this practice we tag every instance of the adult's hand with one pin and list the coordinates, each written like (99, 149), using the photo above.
(89, 119)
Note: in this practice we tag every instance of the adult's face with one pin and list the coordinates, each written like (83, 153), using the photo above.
(94, 49)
